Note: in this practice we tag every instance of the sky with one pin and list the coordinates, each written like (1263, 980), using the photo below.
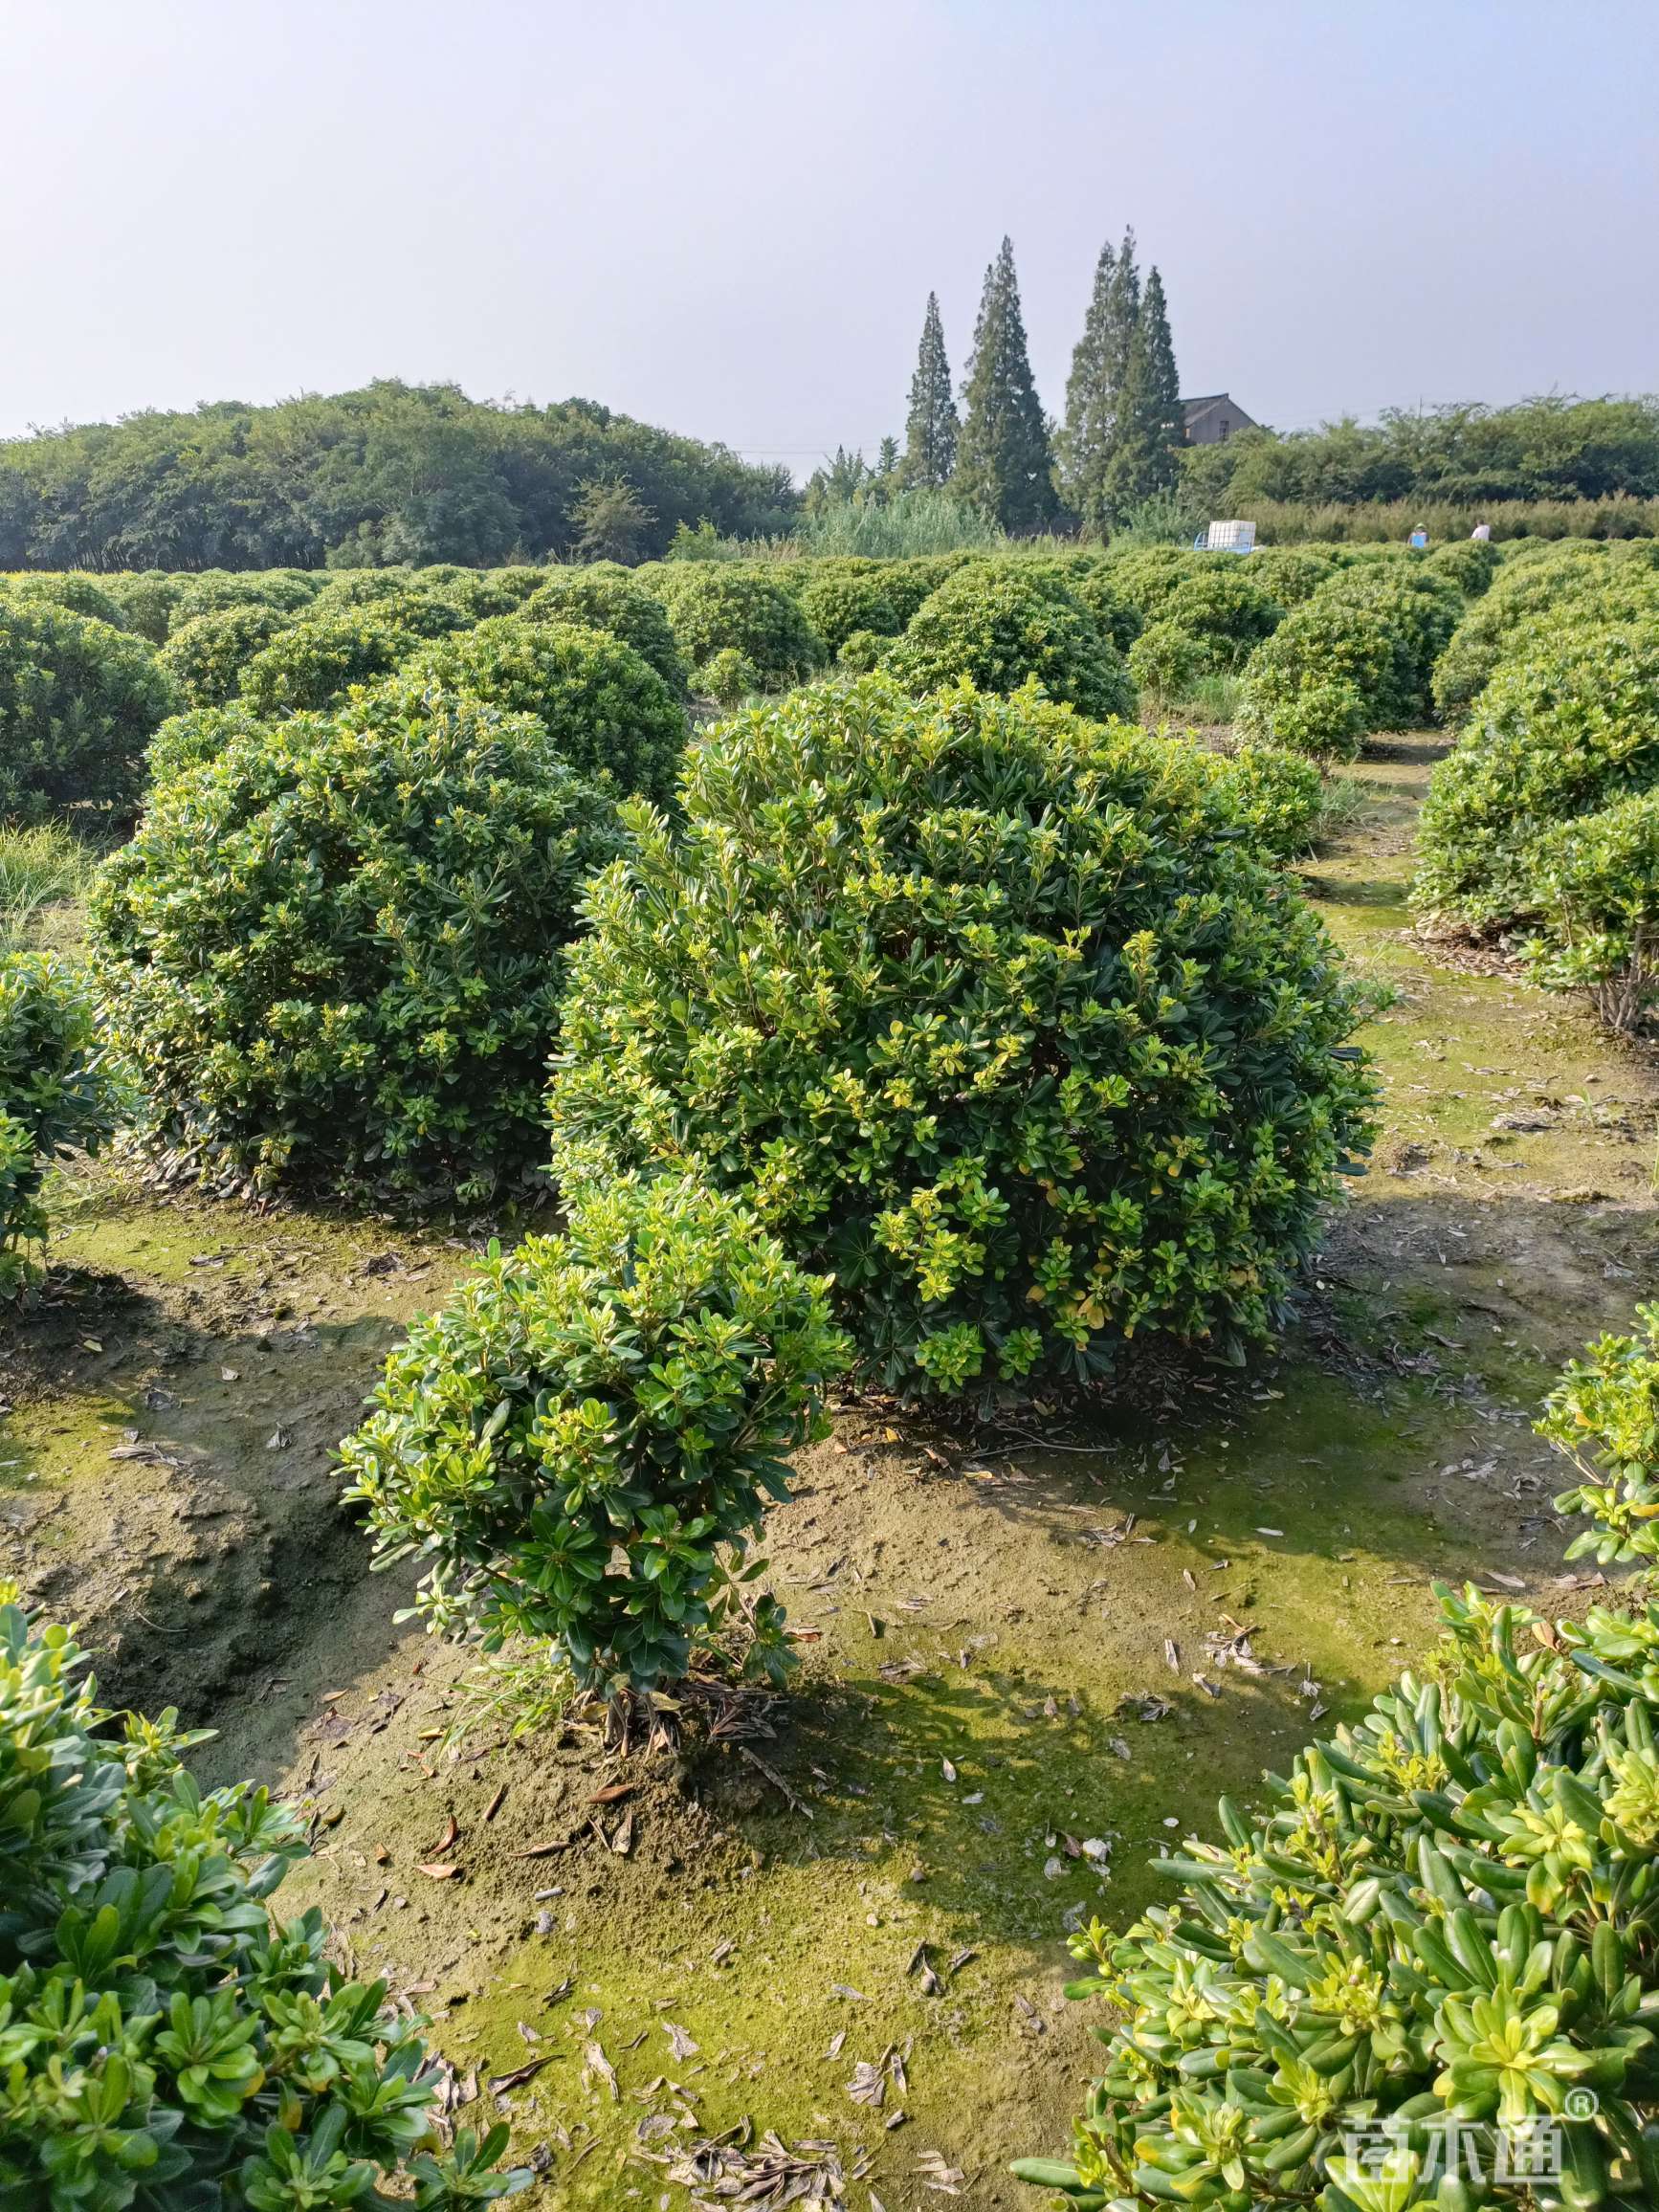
(725, 215)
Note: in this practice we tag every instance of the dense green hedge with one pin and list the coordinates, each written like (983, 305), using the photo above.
(1433, 1957)
(1565, 729)
(334, 950)
(55, 1096)
(1530, 601)
(605, 597)
(985, 1013)
(579, 1446)
(711, 606)
(79, 701)
(166, 2044)
(605, 709)
(998, 625)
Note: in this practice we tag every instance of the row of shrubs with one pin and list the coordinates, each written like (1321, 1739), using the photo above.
(1541, 826)
(1426, 1976)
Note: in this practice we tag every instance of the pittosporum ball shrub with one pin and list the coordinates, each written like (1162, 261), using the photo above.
(147, 598)
(839, 598)
(605, 597)
(1165, 661)
(167, 2044)
(1597, 898)
(55, 1096)
(1526, 605)
(290, 591)
(1562, 731)
(1225, 611)
(1278, 796)
(986, 1016)
(78, 594)
(1470, 564)
(311, 666)
(1326, 720)
(1420, 611)
(334, 951)
(998, 626)
(1288, 573)
(348, 587)
(863, 651)
(710, 608)
(1364, 629)
(79, 701)
(1604, 1415)
(206, 656)
(520, 582)
(604, 710)
(1117, 616)
(728, 678)
(1427, 1964)
(199, 734)
(906, 583)
(580, 1446)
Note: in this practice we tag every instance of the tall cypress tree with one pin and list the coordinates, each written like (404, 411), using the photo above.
(1095, 388)
(1004, 464)
(1148, 429)
(930, 429)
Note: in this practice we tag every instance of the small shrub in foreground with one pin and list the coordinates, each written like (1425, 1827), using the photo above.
(579, 1446)
(604, 710)
(728, 678)
(971, 1001)
(334, 951)
(55, 1096)
(1440, 1933)
(999, 624)
(77, 703)
(165, 2044)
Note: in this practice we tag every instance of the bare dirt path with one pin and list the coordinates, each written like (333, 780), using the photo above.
(1035, 1660)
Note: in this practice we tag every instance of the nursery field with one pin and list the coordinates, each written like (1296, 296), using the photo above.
(721, 1281)
(1039, 1646)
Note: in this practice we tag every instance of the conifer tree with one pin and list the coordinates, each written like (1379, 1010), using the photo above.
(1148, 428)
(1004, 464)
(1095, 388)
(887, 458)
(930, 430)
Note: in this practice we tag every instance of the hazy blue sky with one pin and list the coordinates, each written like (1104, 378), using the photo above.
(725, 215)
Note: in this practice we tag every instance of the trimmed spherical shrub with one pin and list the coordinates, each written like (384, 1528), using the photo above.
(1470, 564)
(1225, 612)
(147, 598)
(580, 1446)
(999, 626)
(1596, 896)
(710, 607)
(606, 711)
(333, 952)
(206, 656)
(728, 678)
(1435, 1945)
(1276, 795)
(905, 583)
(1147, 578)
(1325, 720)
(79, 701)
(985, 1014)
(80, 595)
(290, 591)
(199, 734)
(55, 1097)
(311, 667)
(167, 2043)
(347, 587)
(1568, 729)
(1375, 630)
(1118, 618)
(1289, 574)
(1525, 604)
(605, 597)
(1165, 661)
(839, 599)
(863, 651)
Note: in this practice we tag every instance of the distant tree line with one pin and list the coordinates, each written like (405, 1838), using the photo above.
(1553, 448)
(393, 473)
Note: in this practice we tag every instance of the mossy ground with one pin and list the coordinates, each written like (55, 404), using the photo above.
(1022, 1679)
